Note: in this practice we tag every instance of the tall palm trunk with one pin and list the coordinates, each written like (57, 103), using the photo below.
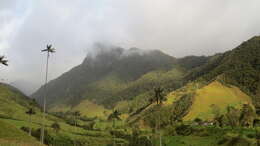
(44, 99)
(75, 130)
(30, 127)
(160, 136)
(114, 143)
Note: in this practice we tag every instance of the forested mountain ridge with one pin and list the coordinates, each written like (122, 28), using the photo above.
(239, 67)
(104, 75)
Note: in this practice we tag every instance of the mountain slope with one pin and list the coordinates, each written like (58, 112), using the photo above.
(13, 103)
(105, 78)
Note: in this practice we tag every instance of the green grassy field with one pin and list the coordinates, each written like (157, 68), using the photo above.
(215, 94)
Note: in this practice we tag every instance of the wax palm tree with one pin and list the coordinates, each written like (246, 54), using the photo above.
(3, 61)
(30, 112)
(159, 97)
(49, 49)
(114, 116)
(76, 115)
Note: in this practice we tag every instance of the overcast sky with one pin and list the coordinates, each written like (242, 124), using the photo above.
(177, 27)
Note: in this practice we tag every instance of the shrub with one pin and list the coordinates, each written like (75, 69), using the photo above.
(89, 126)
(25, 129)
(47, 138)
(222, 141)
(184, 130)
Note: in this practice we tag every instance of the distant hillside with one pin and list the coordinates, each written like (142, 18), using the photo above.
(13, 105)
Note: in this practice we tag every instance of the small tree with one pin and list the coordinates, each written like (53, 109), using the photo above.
(247, 115)
(233, 116)
(114, 115)
(56, 127)
(30, 112)
(3, 61)
(218, 117)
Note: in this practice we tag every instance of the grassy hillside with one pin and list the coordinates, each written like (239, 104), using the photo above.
(215, 94)
(194, 100)
(10, 135)
(13, 117)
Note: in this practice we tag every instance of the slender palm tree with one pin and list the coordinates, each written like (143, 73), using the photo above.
(3, 61)
(30, 112)
(158, 95)
(49, 49)
(115, 116)
(76, 115)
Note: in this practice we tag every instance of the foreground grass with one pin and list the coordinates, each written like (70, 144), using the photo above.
(13, 136)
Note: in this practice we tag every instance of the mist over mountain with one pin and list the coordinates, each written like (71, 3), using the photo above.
(113, 65)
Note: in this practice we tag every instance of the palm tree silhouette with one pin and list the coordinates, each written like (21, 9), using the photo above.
(159, 97)
(3, 61)
(49, 49)
(76, 115)
(30, 112)
(114, 116)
